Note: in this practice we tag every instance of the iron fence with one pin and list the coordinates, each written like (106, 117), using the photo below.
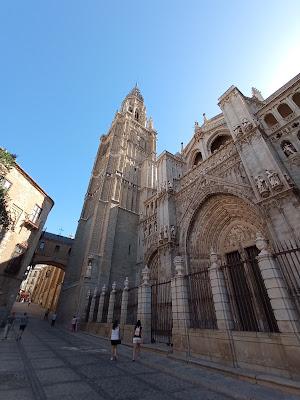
(105, 307)
(88, 307)
(161, 313)
(250, 304)
(288, 257)
(117, 305)
(96, 308)
(132, 305)
(200, 300)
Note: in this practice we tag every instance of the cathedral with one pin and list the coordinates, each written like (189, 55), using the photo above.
(234, 186)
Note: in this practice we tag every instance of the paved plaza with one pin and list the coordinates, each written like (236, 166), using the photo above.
(53, 363)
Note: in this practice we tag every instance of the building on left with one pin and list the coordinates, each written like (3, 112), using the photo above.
(28, 206)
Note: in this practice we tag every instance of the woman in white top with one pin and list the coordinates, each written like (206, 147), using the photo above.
(115, 339)
(137, 339)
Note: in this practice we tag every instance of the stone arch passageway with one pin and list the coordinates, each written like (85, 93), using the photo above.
(223, 222)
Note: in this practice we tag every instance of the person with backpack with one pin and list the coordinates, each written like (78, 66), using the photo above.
(23, 324)
(115, 339)
(137, 339)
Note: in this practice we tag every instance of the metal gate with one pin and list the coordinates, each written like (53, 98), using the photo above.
(161, 313)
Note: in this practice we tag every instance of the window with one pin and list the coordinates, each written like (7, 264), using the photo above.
(42, 245)
(35, 215)
(296, 99)
(198, 158)
(136, 115)
(5, 183)
(284, 110)
(218, 142)
(56, 249)
(129, 249)
(69, 251)
(270, 120)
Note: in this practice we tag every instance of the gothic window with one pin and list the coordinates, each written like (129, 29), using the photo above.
(136, 115)
(296, 99)
(150, 229)
(288, 148)
(218, 142)
(298, 135)
(130, 109)
(284, 110)
(198, 158)
(270, 120)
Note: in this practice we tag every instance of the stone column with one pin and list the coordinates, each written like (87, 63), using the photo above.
(86, 302)
(281, 302)
(111, 305)
(101, 303)
(180, 306)
(144, 305)
(124, 304)
(91, 314)
(220, 295)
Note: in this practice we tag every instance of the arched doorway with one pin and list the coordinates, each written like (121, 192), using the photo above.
(42, 285)
(228, 224)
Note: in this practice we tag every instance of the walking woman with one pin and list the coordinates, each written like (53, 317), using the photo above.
(137, 340)
(115, 339)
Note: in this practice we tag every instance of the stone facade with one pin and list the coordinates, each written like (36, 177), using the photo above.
(229, 196)
(29, 207)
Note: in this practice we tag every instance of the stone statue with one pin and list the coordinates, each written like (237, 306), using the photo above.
(247, 125)
(173, 232)
(166, 233)
(170, 185)
(261, 184)
(273, 178)
(238, 130)
(88, 271)
(289, 149)
(161, 234)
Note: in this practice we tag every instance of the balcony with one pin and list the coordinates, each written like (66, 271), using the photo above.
(30, 224)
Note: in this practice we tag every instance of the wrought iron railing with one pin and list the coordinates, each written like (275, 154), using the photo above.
(161, 313)
(288, 256)
(117, 305)
(250, 304)
(132, 305)
(200, 299)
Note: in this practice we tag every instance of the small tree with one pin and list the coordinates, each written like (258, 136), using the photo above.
(7, 161)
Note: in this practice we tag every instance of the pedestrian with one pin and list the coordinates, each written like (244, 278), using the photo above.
(115, 339)
(9, 324)
(137, 340)
(53, 319)
(46, 314)
(74, 323)
(23, 324)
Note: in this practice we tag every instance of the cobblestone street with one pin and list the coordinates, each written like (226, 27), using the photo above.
(52, 363)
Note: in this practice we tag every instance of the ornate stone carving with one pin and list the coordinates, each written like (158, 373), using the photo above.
(237, 130)
(146, 276)
(173, 232)
(247, 125)
(262, 186)
(288, 149)
(126, 283)
(88, 271)
(273, 179)
(103, 291)
(114, 286)
(261, 243)
(179, 265)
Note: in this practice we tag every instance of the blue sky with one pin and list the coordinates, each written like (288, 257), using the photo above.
(66, 66)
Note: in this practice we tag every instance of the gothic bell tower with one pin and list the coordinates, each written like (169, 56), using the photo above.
(105, 247)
